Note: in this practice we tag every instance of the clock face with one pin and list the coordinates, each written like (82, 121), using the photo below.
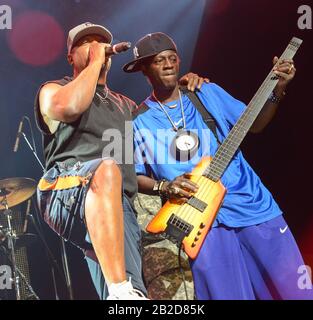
(185, 145)
(185, 142)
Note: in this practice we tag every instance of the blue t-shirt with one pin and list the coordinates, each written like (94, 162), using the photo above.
(247, 201)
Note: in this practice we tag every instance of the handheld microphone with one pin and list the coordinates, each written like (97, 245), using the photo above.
(117, 48)
(17, 141)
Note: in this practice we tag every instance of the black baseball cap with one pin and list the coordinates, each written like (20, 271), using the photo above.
(148, 46)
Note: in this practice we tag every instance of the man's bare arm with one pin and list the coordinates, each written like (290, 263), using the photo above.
(67, 103)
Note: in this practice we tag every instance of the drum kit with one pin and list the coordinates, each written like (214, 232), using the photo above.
(13, 192)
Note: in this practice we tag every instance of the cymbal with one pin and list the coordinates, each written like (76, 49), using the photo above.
(16, 190)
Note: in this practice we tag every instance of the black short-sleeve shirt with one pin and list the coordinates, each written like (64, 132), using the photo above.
(103, 130)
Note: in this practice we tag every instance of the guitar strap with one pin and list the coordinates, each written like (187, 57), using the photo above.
(206, 115)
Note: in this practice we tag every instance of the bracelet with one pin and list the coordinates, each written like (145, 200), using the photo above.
(158, 186)
(274, 98)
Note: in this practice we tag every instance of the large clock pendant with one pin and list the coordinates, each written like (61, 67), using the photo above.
(185, 145)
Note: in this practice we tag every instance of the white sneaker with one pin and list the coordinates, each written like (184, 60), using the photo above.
(125, 291)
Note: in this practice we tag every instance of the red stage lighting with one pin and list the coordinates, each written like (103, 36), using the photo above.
(36, 38)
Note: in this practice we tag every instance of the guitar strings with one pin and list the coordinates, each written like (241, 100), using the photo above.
(187, 212)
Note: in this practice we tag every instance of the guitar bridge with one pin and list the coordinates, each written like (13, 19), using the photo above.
(177, 229)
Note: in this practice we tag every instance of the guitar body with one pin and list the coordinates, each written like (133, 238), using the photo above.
(200, 221)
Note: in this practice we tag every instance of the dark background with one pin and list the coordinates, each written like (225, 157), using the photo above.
(231, 42)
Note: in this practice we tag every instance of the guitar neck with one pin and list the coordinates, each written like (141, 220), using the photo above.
(231, 144)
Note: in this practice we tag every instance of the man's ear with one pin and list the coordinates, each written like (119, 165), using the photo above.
(70, 59)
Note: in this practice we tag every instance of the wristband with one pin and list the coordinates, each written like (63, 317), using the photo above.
(274, 98)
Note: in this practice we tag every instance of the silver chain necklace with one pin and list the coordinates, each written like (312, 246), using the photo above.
(168, 116)
(103, 99)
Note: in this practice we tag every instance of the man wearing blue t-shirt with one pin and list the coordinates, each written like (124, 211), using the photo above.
(250, 252)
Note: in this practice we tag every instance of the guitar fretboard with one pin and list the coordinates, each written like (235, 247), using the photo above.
(231, 144)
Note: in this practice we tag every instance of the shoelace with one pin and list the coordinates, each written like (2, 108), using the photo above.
(137, 292)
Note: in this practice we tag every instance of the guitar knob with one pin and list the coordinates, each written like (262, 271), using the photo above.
(199, 233)
(202, 225)
(196, 239)
(193, 245)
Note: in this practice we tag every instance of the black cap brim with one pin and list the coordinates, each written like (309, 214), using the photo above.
(135, 65)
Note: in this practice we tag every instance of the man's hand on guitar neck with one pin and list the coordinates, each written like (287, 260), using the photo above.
(181, 188)
(286, 71)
